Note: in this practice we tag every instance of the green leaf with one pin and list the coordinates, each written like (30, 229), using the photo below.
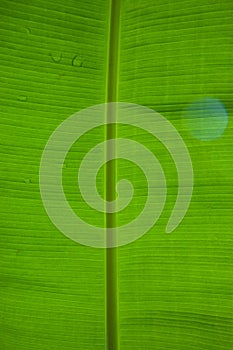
(163, 291)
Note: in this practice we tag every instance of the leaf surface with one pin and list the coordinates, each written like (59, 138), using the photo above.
(171, 291)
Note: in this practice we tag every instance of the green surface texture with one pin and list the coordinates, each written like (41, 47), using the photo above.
(163, 291)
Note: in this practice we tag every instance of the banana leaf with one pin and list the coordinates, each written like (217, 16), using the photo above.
(165, 291)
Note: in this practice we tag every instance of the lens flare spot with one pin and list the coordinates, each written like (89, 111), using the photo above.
(206, 119)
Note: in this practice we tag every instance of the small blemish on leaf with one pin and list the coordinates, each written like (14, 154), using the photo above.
(28, 30)
(28, 181)
(56, 56)
(22, 98)
(76, 61)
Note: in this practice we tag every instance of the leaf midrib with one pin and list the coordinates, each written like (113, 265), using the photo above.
(112, 334)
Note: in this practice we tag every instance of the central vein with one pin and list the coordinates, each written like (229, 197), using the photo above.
(111, 171)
